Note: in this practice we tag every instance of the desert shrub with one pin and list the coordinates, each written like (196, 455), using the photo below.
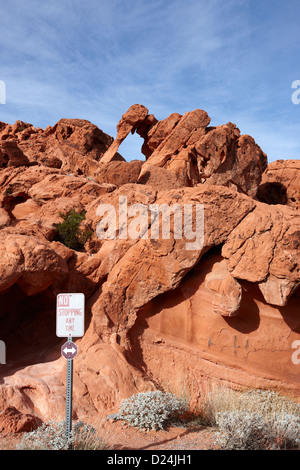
(269, 404)
(254, 431)
(52, 436)
(69, 232)
(253, 420)
(152, 410)
(243, 431)
(286, 431)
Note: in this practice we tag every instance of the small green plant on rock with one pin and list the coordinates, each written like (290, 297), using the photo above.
(152, 410)
(69, 232)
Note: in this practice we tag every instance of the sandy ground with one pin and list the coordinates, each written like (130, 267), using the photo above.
(191, 438)
(120, 437)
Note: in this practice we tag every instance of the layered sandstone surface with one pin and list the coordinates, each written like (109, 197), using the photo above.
(161, 312)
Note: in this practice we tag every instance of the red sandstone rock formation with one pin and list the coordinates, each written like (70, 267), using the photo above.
(193, 152)
(157, 313)
(74, 145)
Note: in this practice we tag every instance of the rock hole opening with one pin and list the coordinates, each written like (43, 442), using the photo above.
(272, 193)
(131, 148)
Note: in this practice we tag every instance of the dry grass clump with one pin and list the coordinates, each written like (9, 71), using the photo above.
(269, 404)
(252, 420)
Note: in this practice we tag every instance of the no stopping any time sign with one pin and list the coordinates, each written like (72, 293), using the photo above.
(70, 315)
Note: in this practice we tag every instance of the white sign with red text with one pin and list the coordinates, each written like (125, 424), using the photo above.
(70, 315)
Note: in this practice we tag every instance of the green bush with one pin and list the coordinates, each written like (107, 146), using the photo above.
(69, 232)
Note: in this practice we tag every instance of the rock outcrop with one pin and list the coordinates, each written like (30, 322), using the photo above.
(11, 420)
(280, 184)
(215, 302)
(192, 151)
(73, 145)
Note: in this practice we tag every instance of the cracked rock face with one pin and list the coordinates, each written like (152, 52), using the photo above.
(160, 311)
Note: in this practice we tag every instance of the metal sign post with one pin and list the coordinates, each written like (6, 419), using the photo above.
(69, 322)
(69, 395)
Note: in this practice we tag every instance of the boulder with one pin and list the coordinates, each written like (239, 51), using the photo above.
(29, 263)
(13, 421)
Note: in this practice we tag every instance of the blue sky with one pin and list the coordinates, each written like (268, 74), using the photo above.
(93, 59)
